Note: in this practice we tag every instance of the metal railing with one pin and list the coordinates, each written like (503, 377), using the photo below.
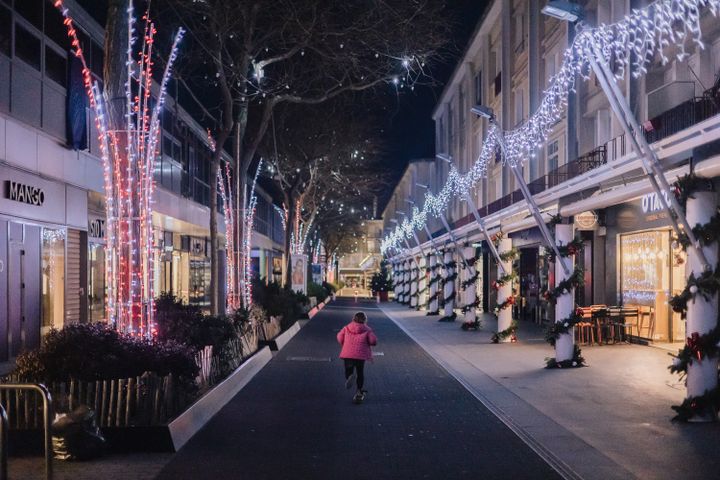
(681, 117)
(47, 419)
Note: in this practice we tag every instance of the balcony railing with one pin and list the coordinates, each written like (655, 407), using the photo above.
(661, 126)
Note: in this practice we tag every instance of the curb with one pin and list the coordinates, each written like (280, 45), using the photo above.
(184, 427)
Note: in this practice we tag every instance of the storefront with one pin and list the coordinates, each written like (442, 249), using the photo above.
(96, 258)
(532, 268)
(649, 267)
(183, 267)
(43, 248)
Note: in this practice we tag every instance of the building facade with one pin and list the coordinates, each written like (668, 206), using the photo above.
(586, 172)
(52, 218)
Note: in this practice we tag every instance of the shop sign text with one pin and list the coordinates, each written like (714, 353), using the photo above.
(22, 193)
(96, 228)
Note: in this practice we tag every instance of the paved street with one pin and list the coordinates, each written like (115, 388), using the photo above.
(295, 420)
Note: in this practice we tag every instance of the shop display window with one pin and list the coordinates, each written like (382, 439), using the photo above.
(53, 278)
(96, 282)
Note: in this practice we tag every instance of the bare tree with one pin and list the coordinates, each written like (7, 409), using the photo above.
(264, 53)
(323, 160)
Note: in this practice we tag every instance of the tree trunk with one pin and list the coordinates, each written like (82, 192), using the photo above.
(289, 227)
(214, 244)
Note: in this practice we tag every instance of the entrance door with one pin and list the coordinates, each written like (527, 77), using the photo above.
(23, 287)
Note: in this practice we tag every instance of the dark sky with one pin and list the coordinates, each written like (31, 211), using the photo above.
(411, 128)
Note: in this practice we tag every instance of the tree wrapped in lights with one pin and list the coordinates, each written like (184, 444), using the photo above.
(128, 125)
(268, 53)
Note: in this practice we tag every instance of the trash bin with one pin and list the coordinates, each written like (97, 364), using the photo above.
(76, 435)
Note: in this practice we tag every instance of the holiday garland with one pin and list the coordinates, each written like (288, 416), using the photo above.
(565, 287)
(470, 306)
(576, 361)
(555, 329)
(508, 332)
(697, 346)
(502, 281)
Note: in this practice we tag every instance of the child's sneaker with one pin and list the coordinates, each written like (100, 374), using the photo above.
(359, 396)
(349, 381)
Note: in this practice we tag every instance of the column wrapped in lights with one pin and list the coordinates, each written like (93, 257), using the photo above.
(128, 153)
(505, 291)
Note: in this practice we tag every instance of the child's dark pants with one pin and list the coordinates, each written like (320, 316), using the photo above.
(358, 366)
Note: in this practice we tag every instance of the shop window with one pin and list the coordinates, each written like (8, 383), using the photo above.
(55, 28)
(553, 149)
(55, 66)
(5, 31)
(53, 278)
(478, 88)
(27, 47)
(96, 282)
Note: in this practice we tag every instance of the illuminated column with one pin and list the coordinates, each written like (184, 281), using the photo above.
(565, 303)
(433, 308)
(504, 315)
(702, 308)
(422, 284)
(449, 287)
(414, 274)
(470, 292)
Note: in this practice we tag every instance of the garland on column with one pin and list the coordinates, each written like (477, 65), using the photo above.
(697, 346)
(509, 256)
(434, 278)
(452, 264)
(555, 329)
(470, 281)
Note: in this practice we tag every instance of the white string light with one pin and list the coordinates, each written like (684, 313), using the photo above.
(628, 45)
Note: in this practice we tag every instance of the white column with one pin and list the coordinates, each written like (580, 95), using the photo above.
(448, 287)
(422, 284)
(406, 282)
(504, 316)
(414, 274)
(470, 293)
(397, 281)
(433, 307)
(702, 314)
(565, 303)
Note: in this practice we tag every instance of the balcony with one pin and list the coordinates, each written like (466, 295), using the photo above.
(682, 116)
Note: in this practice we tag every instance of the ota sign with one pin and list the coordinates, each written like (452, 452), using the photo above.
(651, 202)
(19, 192)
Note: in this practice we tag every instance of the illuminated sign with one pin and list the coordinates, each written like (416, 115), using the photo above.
(652, 203)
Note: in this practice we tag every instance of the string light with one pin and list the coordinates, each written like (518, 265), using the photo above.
(628, 46)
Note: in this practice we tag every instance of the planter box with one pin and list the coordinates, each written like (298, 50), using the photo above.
(281, 340)
(194, 418)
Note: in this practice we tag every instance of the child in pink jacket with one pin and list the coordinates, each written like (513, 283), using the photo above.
(356, 339)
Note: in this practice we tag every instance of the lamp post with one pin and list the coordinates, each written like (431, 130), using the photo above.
(486, 112)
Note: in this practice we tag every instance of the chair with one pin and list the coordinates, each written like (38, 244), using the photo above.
(599, 314)
(585, 330)
(630, 319)
(648, 313)
(616, 324)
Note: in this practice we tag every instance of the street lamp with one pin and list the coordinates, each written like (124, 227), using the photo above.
(487, 112)
(566, 11)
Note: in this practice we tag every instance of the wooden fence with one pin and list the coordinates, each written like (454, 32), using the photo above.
(145, 400)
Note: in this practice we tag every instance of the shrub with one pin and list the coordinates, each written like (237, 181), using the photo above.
(317, 291)
(278, 301)
(187, 325)
(92, 352)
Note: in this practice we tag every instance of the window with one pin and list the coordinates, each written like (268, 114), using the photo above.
(55, 66)
(32, 11)
(5, 30)
(55, 29)
(519, 107)
(519, 43)
(498, 84)
(27, 47)
(53, 278)
(553, 154)
(478, 88)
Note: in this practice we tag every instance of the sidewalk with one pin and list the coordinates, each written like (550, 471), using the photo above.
(609, 420)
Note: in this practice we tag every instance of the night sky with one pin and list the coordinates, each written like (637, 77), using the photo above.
(411, 130)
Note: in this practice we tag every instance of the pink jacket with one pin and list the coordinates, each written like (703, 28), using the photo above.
(356, 340)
